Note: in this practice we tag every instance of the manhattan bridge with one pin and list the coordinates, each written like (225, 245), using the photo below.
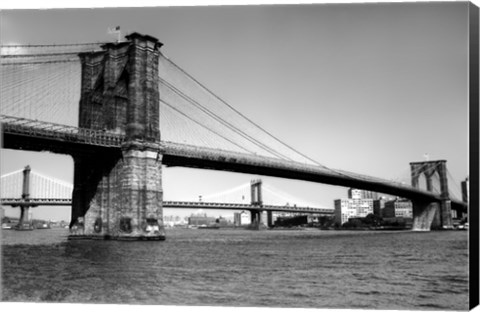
(122, 110)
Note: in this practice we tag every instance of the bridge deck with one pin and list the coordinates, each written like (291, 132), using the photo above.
(173, 204)
(16, 129)
(36, 202)
(235, 206)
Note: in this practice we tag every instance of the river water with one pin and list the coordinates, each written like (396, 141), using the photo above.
(241, 268)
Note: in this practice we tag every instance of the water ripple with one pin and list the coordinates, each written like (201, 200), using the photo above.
(328, 269)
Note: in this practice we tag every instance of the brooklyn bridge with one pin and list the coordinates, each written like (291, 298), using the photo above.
(128, 90)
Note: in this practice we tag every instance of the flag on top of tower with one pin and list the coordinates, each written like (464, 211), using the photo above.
(115, 30)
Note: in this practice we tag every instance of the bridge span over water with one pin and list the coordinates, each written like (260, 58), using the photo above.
(126, 90)
(52, 192)
(34, 202)
(21, 133)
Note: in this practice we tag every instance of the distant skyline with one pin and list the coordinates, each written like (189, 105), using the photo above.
(365, 88)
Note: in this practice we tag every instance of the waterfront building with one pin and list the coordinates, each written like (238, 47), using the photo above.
(352, 208)
(201, 220)
(241, 218)
(172, 221)
(399, 208)
(362, 194)
(175, 219)
(168, 218)
(245, 218)
(354, 193)
(379, 205)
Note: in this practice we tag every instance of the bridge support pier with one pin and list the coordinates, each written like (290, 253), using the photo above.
(269, 219)
(426, 216)
(257, 222)
(118, 194)
(24, 223)
(446, 214)
(256, 200)
(255, 219)
(142, 194)
(432, 215)
(121, 200)
(436, 215)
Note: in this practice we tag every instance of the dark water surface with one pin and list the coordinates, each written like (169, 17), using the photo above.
(306, 269)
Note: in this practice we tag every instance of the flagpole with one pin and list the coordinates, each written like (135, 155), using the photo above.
(115, 30)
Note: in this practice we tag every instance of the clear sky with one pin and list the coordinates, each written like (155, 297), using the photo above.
(366, 88)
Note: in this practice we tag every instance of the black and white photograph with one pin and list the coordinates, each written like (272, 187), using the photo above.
(263, 155)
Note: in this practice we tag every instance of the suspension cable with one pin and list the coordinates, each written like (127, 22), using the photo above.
(203, 126)
(239, 113)
(222, 121)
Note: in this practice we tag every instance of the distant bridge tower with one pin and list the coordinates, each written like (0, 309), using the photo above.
(24, 222)
(256, 192)
(465, 190)
(256, 199)
(465, 186)
(118, 194)
(439, 215)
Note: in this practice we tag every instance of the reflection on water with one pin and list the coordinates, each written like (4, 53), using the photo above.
(317, 269)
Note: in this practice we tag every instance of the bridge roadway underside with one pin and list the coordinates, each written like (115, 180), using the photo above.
(93, 163)
(172, 157)
(233, 206)
(54, 145)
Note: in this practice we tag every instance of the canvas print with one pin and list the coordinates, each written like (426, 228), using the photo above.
(285, 156)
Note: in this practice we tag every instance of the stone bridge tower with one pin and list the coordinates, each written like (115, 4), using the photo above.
(256, 199)
(24, 222)
(118, 193)
(256, 192)
(434, 215)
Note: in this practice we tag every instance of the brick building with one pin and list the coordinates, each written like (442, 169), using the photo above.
(353, 207)
(399, 208)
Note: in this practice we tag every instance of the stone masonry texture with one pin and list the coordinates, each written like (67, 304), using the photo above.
(119, 194)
